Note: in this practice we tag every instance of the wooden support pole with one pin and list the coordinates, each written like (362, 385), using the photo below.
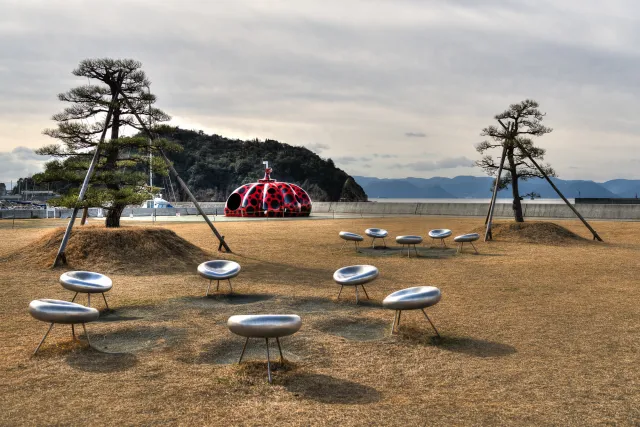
(175, 173)
(488, 235)
(60, 257)
(575, 211)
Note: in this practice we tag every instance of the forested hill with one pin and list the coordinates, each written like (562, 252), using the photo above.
(214, 166)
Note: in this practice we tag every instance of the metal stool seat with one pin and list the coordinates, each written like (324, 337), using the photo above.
(219, 270)
(409, 241)
(86, 282)
(466, 238)
(350, 237)
(376, 233)
(417, 298)
(355, 275)
(264, 326)
(441, 233)
(64, 312)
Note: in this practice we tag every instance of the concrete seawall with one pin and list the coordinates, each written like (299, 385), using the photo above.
(593, 211)
(503, 210)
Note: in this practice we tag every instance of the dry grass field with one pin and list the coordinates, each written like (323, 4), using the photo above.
(532, 333)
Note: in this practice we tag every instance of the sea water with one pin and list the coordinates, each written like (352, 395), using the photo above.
(486, 201)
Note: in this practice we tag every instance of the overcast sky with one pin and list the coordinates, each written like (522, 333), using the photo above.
(388, 89)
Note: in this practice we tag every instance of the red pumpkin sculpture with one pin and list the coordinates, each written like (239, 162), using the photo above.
(268, 197)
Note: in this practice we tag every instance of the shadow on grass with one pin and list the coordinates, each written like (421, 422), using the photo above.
(227, 351)
(473, 347)
(136, 338)
(95, 361)
(325, 304)
(223, 298)
(326, 389)
(354, 328)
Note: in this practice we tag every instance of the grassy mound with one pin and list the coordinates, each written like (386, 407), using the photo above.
(135, 250)
(532, 232)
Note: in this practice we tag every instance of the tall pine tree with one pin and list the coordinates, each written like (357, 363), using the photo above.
(120, 176)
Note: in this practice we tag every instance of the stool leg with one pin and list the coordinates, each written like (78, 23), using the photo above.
(74, 297)
(230, 287)
(73, 331)
(432, 325)
(385, 242)
(218, 286)
(474, 247)
(399, 316)
(415, 249)
(280, 350)
(357, 300)
(105, 301)
(268, 361)
(43, 338)
(86, 334)
(343, 245)
(395, 319)
(207, 294)
(341, 286)
(88, 300)
(244, 347)
(365, 291)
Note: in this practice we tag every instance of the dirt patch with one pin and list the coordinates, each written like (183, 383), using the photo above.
(354, 329)
(136, 250)
(532, 232)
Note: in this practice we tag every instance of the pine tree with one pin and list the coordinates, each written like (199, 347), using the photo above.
(122, 169)
(522, 121)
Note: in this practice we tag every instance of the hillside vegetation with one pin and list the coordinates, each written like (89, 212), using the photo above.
(213, 166)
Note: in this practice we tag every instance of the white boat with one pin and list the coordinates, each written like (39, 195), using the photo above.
(157, 203)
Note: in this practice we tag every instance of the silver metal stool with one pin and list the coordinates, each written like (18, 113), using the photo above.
(409, 241)
(441, 234)
(219, 270)
(64, 312)
(417, 298)
(350, 237)
(86, 282)
(355, 275)
(264, 326)
(376, 233)
(466, 238)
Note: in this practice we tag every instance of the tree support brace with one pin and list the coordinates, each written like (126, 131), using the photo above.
(489, 221)
(175, 173)
(61, 259)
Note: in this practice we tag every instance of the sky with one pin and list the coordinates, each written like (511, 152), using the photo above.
(384, 88)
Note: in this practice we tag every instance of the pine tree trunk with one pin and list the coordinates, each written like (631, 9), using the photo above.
(517, 205)
(85, 213)
(112, 220)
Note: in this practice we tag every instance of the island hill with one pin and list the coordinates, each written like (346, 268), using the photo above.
(464, 187)
(213, 166)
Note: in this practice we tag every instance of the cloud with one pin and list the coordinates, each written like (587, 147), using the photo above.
(350, 159)
(317, 147)
(446, 163)
(384, 156)
(20, 163)
(346, 74)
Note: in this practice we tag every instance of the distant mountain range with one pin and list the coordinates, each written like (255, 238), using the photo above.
(465, 187)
